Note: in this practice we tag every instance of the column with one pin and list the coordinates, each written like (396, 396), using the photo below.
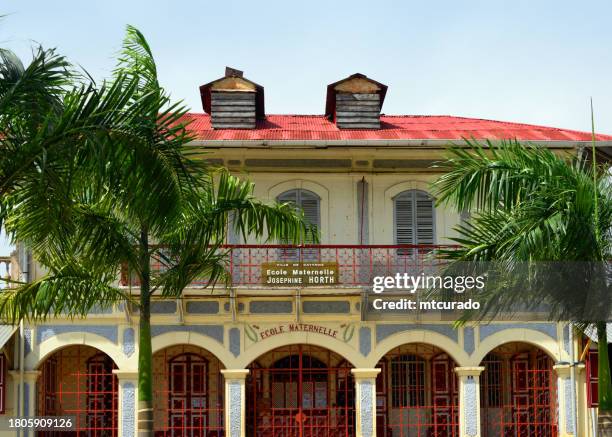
(365, 401)
(564, 399)
(128, 383)
(469, 400)
(30, 378)
(235, 403)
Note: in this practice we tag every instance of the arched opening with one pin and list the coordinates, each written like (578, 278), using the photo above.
(518, 392)
(78, 381)
(300, 390)
(188, 393)
(416, 393)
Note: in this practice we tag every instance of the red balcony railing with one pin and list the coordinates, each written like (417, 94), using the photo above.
(357, 264)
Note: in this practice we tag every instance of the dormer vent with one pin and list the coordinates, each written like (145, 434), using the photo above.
(355, 102)
(232, 101)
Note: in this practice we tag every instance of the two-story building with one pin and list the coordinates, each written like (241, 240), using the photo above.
(289, 358)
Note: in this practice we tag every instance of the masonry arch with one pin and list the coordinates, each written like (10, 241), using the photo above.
(347, 352)
(300, 389)
(188, 391)
(519, 335)
(80, 381)
(417, 390)
(419, 336)
(60, 341)
(518, 391)
(177, 338)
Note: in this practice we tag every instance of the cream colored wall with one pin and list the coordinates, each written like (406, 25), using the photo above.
(339, 204)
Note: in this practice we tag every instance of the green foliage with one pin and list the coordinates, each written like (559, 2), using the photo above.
(94, 178)
(97, 166)
(529, 206)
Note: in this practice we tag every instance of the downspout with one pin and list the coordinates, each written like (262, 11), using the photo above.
(22, 411)
(573, 382)
(25, 277)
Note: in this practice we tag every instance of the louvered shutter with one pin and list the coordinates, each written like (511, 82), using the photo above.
(309, 203)
(404, 219)
(424, 218)
(414, 218)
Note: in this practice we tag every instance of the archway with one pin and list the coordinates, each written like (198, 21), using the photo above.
(188, 391)
(300, 390)
(416, 393)
(78, 381)
(518, 392)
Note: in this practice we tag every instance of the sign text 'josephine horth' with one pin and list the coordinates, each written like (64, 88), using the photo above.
(299, 274)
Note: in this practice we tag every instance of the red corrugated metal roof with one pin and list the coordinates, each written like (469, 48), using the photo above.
(393, 127)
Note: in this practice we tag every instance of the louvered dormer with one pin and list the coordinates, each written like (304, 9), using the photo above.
(232, 101)
(355, 102)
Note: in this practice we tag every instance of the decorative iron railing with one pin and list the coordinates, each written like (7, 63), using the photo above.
(357, 265)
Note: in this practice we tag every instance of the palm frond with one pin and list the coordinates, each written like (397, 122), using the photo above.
(72, 291)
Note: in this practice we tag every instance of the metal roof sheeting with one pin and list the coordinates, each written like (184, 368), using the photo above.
(393, 127)
(591, 332)
(6, 332)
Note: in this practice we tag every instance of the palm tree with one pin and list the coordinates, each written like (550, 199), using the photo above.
(146, 201)
(532, 205)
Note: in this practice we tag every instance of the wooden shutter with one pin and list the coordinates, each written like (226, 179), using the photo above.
(414, 218)
(404, 218)
(307, 201)
(424, 218)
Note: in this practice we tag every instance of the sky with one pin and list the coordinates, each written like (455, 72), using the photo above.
(526, 61)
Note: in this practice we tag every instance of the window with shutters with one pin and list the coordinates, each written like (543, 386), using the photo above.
(310, 204)
(414, 218)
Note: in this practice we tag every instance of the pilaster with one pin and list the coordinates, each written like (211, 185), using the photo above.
(365, 401)
(235, 403)
(469, 400)
(567, 417)
(128, 383)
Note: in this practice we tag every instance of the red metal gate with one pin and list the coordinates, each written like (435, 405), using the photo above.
(518, 396)
(417, 394)
(80, 382)
(187, 392)
(300, 391)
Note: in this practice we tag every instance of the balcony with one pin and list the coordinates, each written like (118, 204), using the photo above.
(5, 271)
(356, 265)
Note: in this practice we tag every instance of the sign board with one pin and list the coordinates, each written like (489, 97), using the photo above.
(299, 274)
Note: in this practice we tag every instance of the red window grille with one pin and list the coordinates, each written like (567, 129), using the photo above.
(301, 391)
(188, 393)
(417, 393)
(2, 383)
(518, 395)
(79, 382)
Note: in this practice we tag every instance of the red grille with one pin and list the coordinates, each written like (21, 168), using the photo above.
(592, 371)
(417, 393)
(302, 391)
(518, 395)
(79, 381)
(357, 264)
(188, 393)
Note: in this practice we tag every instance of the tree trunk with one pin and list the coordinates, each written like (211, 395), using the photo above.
(145, 355)
(604, 420)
